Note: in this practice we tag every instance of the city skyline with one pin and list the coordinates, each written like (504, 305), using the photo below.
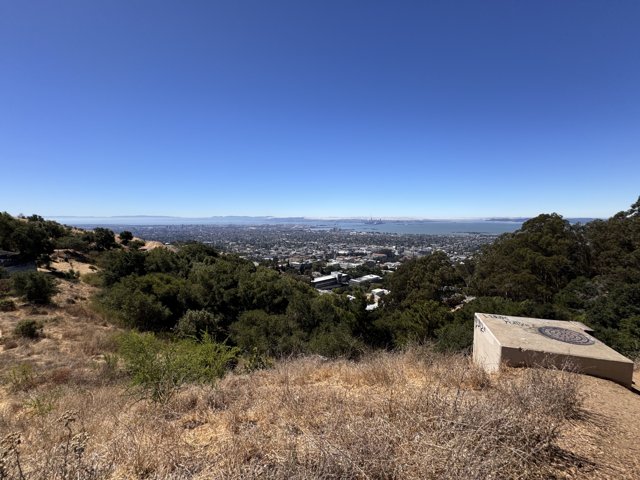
(432, 110)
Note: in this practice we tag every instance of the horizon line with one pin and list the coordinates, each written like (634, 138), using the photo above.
(496, 218)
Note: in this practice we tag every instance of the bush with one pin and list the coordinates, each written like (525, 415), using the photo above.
(28, 328)
(5, 286)
(137, 309)
(136, 244)
(335, 341)
(71, 275)
(36, 287)
(195, 322)
(126, 236)
(270, 335)
(7, 305)
(119, 264)
(105, 239)
(158, 368)
(21, 377)
(417, 322)
(73, 242)
(93, 279)
(455, 337)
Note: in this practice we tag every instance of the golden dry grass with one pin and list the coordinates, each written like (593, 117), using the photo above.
(65, 260)
(403, 415)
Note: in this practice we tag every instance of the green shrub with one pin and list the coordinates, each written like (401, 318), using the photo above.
(28, 328)
(134, 308)
(105, 238)
(73, 242)
(36, 287)
(161, 260)
(42, 404)
(5, 286)
(93, 279)
(117, 264)
(71, 275)
(126, 236)
(7, 305)
(195, 322)
(136, 244)
(412, 323)
(158, 368)
(455, 337)
(335, 341)
(21, 377)
(256, 361)
(271, 335)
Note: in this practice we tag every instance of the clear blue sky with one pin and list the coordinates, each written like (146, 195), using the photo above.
(319, 108)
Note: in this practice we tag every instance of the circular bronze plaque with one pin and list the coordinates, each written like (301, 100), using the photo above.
(566, 335)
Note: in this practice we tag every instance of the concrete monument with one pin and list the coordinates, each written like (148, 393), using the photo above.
(520, 341)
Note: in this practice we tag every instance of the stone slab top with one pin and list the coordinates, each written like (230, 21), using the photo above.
(550, 336)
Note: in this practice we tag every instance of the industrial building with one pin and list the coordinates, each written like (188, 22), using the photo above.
(329, 282)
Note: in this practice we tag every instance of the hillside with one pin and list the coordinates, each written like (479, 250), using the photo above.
(410, 414)
(125, 360)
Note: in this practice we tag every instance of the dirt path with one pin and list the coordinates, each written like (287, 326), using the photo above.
(610, 436)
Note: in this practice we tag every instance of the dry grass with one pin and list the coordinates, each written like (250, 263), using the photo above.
(392, 415)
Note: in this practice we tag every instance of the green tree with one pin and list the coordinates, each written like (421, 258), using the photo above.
(432, 277)
(125, 237)
(268, 334)
(416, 323)
(36, 287)
(615, 245)
(117, 264)
(134, 308)
(32, 237)
(535, 262)
(161, 260)
(105, 239)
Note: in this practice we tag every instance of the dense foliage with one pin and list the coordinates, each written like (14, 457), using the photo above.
(197, 290)
(35, 238)
(32, 237)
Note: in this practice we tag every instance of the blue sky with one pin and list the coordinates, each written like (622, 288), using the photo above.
(433, 109)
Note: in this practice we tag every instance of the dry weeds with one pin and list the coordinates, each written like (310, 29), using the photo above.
(392, 415)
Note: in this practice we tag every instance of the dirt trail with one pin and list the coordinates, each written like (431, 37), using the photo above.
(610, 436)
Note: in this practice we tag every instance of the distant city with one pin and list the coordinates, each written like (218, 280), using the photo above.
(299, 241)
(341, 244)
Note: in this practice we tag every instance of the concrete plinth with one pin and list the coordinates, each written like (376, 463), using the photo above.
(521, 341)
